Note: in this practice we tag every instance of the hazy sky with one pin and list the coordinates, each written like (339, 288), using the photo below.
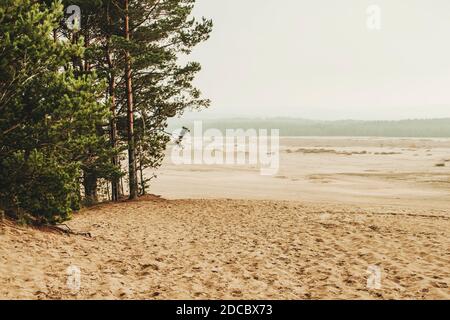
(318, 59)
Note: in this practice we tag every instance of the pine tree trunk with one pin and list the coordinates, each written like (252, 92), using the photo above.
(113, 123)
(129, 90)
(141, 171)
(115, 188)
(113, 137)
(90, 187)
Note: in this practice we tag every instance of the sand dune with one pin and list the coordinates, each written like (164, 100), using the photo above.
(232, 249)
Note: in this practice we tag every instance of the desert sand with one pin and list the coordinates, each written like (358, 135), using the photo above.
(337, 210)
(397, 171)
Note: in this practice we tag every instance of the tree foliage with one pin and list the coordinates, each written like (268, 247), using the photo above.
(65, 96)
(49, 116)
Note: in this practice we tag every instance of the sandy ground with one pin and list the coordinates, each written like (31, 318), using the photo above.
(341, 170)
(233, 249)
(340, 215)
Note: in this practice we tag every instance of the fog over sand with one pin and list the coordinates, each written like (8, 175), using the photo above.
(337, 209)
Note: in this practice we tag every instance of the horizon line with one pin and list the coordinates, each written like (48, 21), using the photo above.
(209, 117)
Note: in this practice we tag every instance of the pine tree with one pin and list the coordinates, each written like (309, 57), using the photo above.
(130, 107)
(162, 31)
(97, 29)
(49, 115)
(147, 85)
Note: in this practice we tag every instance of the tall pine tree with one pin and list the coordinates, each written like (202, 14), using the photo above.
(49, 115)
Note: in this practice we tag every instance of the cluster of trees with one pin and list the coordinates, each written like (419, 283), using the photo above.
(73, 100)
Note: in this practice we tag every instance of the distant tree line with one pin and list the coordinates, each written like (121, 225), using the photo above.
(73, 100)
(346, 128)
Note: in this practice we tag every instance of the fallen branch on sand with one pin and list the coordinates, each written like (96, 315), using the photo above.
(65, 229)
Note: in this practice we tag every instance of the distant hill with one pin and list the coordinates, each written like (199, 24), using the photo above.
(301, 127)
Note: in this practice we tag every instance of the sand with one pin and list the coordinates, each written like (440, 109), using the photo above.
(232, 249)
(397, 171)
(323, 228)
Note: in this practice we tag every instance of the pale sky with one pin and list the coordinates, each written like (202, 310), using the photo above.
(317, 59)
